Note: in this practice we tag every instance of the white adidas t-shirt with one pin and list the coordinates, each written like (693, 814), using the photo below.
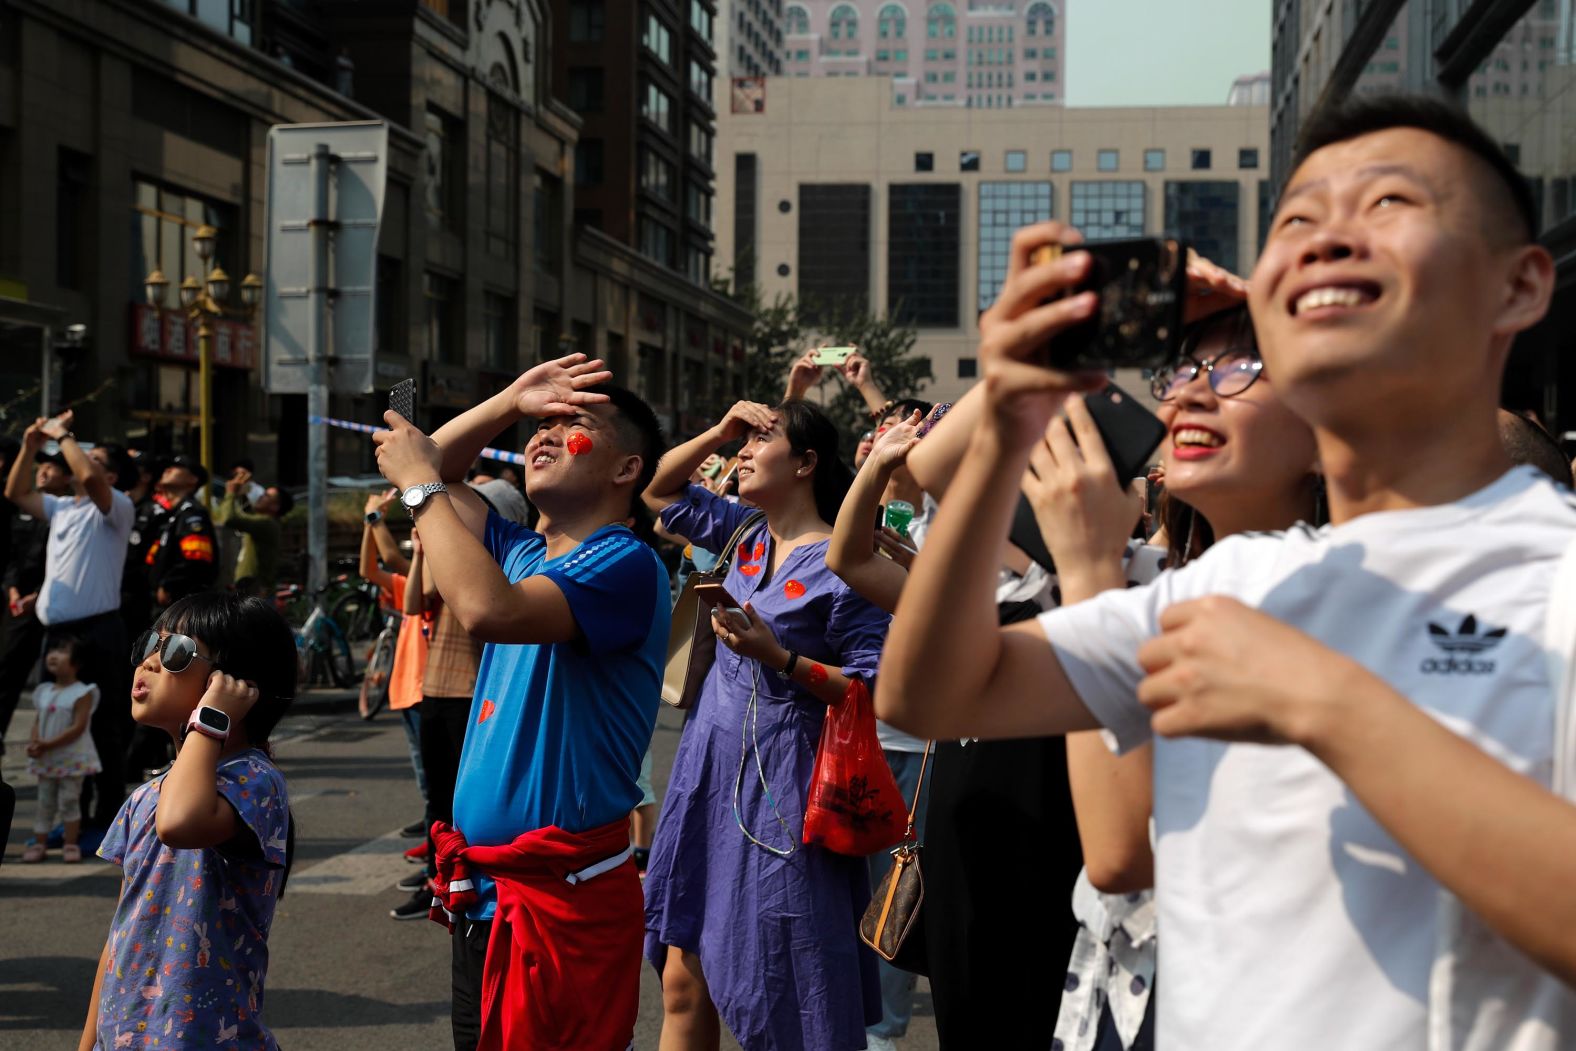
(1288, 917)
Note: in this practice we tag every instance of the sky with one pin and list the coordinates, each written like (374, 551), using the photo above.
(1162, 52)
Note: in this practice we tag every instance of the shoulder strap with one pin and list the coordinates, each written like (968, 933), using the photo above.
(725, 556)
(1560, 645)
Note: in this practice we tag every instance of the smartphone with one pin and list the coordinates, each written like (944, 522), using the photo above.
(715, 595)
(402, 399)
(834, 355)
(1142, 284)
(1130, 431)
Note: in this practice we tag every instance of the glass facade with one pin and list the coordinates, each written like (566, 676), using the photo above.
(1004, 207)
(834, 249)
(923, 235)
(1111, 209)
(1207, 215)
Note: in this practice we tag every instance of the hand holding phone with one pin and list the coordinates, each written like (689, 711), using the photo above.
(834, 356)
(1142, 288)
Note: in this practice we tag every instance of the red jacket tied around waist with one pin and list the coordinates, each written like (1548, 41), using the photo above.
(562, 969)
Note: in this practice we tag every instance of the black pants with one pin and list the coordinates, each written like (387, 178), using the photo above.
(19, 653)
(108, 668)
(443, 722)
(470, 950)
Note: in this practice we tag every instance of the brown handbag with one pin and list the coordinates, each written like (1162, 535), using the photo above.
(892, 924)
(692, 645)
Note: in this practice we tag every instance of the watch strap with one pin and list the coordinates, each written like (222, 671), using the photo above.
(194, 723)
(788, 669)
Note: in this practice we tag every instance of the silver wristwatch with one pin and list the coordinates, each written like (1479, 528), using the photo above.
(416, 495)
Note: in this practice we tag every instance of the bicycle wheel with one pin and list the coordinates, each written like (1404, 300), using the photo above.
(357, 615)
(336, 654)
(375, 681)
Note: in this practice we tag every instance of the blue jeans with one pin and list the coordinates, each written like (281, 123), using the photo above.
(411, 717)
(897, 986)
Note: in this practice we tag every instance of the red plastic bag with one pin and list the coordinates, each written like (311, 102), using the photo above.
(855, 806)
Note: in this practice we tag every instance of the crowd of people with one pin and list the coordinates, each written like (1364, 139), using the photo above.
(1296, 706)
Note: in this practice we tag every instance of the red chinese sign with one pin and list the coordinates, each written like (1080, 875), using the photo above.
(169, 334)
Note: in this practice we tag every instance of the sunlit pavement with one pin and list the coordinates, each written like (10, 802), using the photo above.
(343, 974)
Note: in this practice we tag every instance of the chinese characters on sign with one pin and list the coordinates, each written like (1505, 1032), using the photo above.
(168, 334)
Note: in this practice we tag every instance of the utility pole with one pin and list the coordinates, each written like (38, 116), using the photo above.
(318, 328)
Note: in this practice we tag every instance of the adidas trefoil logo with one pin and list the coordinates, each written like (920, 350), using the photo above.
(1461, 647)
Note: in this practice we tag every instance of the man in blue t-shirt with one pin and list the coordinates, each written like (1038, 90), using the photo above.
(575, 616)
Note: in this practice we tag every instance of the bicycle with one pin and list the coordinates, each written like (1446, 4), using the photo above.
(380, 666)
(322, 650)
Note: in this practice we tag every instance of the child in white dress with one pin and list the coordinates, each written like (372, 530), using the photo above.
(60, 751)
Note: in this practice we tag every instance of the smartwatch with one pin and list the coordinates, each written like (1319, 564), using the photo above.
(374, 517)
(416, 495)
(208, 721)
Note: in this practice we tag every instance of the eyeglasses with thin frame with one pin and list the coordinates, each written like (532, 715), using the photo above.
(176, 652)
(1230, 372)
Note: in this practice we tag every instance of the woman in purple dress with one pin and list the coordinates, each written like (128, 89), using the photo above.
(744, 922)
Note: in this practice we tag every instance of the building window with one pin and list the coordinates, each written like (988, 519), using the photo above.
(1205, 214)
(503, 176)
(924, 162)
(844, 22)
(834, 250)
(388, 329)
(73, 218)
(701, 19)
(746, 196)
(547, 222)
(941, 22)
(1016, 161)
(798, 21)
(1201, 160)
(1108, 209)
(1061, 160)
(498, 332)
(656, 241)
(923, 233)
(656, 174)
(1247, 159)
(1006, 207)
(968, 368)
(892, 23)
(164, 221)
(1106, 160)
(656, 106)
(1154, 160)
(969, 161)
(588, 162)
(587, 21)
(700, 142)
(697, 266)
(444, 155)
(442, 295)
(697, 203)
(655, 37)
(586, 89)
(700, 79)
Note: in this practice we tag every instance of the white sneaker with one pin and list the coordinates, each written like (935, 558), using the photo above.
(879, 1043)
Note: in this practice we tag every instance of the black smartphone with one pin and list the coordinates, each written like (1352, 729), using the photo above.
(1142, 285)
(402, 399)
(1131, 434)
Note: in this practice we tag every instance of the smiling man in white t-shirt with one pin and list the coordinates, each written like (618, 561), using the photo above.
(1356, 842)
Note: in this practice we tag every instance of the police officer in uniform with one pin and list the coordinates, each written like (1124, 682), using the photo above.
(183, 557)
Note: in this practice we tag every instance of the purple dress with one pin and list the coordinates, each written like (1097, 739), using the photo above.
(777, 936)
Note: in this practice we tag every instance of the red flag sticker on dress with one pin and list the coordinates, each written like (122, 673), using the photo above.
(793, 589)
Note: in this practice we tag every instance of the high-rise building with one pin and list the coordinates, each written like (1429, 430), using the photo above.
(749, 37)
(968, 53)
(1512, 65)
(849, 201)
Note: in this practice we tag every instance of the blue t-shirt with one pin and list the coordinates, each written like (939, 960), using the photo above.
(557, 732)
(188, 948)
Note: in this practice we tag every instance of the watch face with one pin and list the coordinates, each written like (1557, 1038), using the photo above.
(214, 719)
(413, 496)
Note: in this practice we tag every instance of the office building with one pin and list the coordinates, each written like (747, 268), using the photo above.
(844, 198)
(749, 38)
(1512, 65)
(963, 54)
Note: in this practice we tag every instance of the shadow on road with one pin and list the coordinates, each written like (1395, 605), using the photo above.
(46, 992)
(318, 1008)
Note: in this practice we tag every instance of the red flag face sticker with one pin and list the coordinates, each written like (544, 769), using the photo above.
(578, 444)
(793, 589)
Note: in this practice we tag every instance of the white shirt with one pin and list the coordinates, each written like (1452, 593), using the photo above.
(84, 557)
(1291, 919)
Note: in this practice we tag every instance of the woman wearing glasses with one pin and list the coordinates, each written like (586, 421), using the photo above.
(1235, 460)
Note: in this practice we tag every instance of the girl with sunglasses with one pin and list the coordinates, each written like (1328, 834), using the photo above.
(205, 849)
(1235, 459)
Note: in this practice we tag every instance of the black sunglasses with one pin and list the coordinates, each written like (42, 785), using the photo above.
(176, 652)
(1230, 372)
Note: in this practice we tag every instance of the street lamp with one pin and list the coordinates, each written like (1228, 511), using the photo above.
(204, 302)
